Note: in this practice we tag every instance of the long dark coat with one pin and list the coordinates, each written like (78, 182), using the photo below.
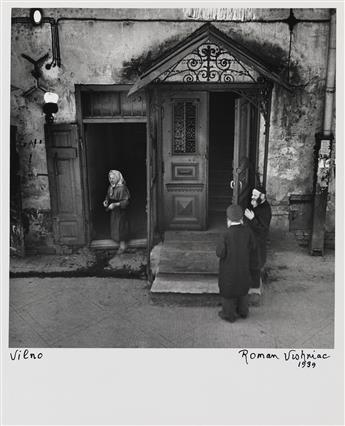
(118, 217)
(260, 225)
(237, 253)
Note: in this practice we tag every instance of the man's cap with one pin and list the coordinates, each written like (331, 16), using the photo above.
(234, 213)
(260, 188)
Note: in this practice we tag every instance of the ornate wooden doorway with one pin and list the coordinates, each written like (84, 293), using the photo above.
(207, 60)
(184, 148)
(209, 144)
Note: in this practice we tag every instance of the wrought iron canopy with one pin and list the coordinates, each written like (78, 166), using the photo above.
(208, 56)
(209, 63)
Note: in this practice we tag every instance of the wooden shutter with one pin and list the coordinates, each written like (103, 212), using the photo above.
(65, 184)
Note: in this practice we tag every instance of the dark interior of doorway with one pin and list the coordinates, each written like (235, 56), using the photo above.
(221, 148)
(120, 146)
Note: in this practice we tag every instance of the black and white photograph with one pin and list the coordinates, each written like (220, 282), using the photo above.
(172, 175)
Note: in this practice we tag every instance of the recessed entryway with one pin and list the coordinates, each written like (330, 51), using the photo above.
(221, 152)
(120, 146)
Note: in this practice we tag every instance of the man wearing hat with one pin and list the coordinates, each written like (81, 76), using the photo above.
(236, 251)
(258, 217)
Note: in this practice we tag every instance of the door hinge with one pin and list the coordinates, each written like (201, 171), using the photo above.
(163, 167)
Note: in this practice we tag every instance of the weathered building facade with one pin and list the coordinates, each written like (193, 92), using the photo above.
(194, 106)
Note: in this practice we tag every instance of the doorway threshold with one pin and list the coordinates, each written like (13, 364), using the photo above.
(113, 245)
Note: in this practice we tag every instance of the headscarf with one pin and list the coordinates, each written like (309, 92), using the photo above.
(118, 176)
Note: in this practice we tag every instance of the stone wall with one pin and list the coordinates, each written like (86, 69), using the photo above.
(114, 52)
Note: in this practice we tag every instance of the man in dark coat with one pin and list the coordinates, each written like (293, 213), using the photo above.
(258, 217)
(236, 251)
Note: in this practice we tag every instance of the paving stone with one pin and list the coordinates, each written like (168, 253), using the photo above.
(295, 315)
(174, 323)
(21, 334)
(245, 333)
(24, 291)
(297, 310)
(60, 315)
(113, 294)
(113, 333)
(322, 338)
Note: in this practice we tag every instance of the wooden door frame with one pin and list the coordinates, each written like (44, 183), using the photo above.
(158, 88)
(81, 121)
(239, 88)
(161, 186)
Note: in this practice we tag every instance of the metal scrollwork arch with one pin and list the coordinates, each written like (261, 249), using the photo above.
(209, 63)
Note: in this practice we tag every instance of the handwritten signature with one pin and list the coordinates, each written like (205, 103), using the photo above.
(304, 359)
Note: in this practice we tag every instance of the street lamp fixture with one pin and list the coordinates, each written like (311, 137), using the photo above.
(36, 16)
(50, 106)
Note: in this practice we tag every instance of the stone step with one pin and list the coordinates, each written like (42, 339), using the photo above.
(205, 236)
(188, 262)
(111, 244)
(188, 284)
(192, 246)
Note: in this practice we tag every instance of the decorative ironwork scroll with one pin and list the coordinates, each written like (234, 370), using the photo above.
(209, 63)
(259, 96)
(184, 140)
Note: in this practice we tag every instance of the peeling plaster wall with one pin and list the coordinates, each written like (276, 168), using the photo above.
(181, 13)
(330, 212)
(115, 52)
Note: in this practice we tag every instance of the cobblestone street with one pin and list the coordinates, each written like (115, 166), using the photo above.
(297, 310)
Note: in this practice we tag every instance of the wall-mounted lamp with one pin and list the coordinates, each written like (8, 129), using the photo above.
(50, 106)
(36, 16)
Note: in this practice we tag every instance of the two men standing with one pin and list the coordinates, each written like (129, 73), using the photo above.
(242, 256)
(258, 217)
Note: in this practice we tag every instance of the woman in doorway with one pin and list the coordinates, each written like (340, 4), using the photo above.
(116, 201)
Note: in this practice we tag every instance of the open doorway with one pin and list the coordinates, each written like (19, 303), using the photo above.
(120, 146)
(221, 151)
(233, 138)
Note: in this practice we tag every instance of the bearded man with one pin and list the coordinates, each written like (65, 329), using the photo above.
(258, 217)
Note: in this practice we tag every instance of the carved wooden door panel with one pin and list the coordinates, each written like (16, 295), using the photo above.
(65, 184)
(184, 148)
(245, 131)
